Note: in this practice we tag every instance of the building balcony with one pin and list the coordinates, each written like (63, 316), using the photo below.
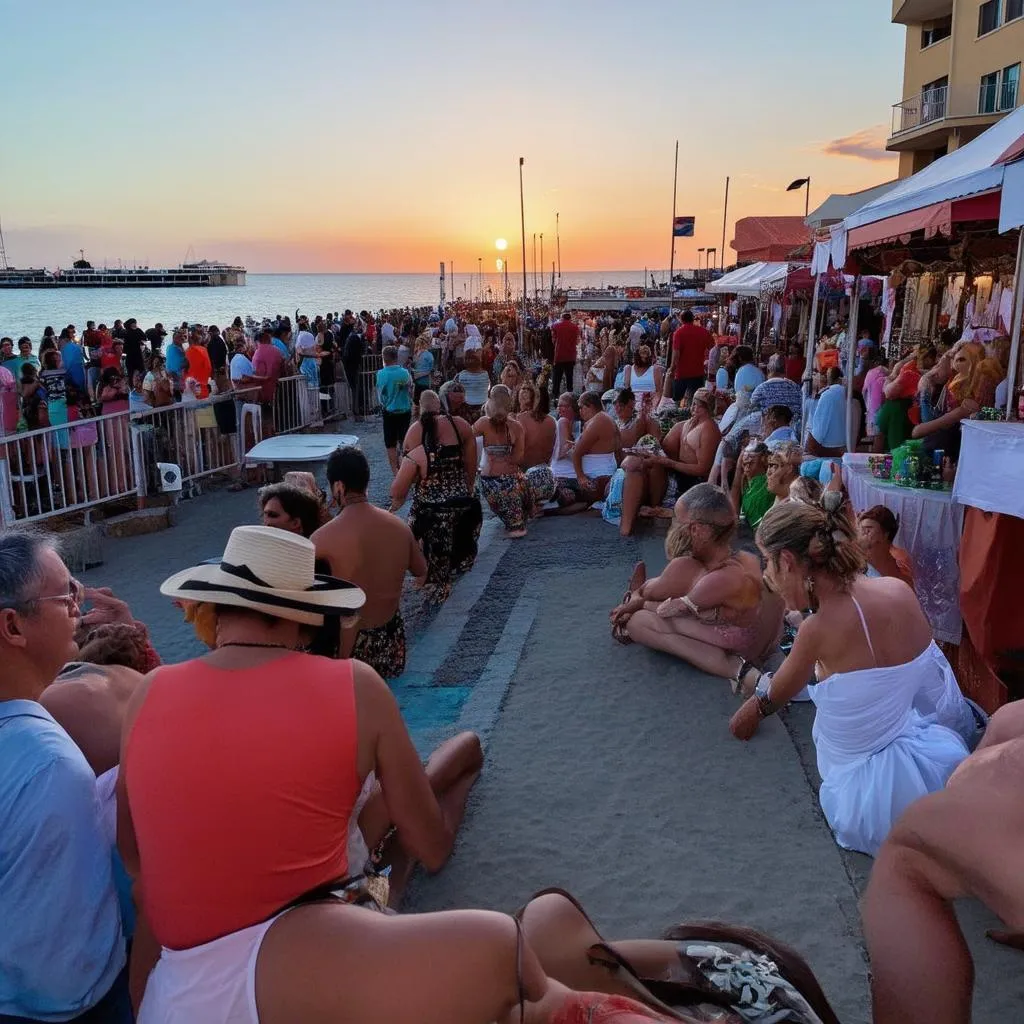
(916, 12)
(924, 121)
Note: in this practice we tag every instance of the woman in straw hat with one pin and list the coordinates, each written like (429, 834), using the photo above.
(242, 773)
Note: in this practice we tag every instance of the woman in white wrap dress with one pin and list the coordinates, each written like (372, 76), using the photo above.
(891, 724)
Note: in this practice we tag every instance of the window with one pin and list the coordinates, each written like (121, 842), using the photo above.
(935, 31)
(988, 16)
(988, 94)
(1010, 88)
(1014, 10)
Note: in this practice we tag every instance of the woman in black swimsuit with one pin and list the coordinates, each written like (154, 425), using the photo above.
(445, 516)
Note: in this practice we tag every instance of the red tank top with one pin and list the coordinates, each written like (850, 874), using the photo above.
(241, 784)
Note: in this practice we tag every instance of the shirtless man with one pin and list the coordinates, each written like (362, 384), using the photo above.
(690, 446)
(963, 841)
(539, 427)
(634, 422)
(373, 549)
(595, 456)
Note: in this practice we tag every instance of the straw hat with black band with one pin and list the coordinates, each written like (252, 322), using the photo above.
(269, 571)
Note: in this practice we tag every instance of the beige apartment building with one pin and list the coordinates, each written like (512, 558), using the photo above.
(961, 73)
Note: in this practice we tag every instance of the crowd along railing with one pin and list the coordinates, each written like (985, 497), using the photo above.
(66, 468)
(79, 466)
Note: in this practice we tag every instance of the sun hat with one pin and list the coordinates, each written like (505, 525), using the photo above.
(270, 571)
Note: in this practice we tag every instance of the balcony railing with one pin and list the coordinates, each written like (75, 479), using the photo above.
(928, 106)
(964, 101)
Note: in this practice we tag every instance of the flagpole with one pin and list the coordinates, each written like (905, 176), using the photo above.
(558, 244)
(522, 224)
(725, 220)
(807, 200)
(542, 256)
(672, 254)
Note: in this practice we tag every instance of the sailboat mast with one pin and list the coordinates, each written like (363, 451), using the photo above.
(3, 251)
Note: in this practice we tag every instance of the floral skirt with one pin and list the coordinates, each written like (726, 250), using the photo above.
(542, 483)
(510, 498)
(383, 648)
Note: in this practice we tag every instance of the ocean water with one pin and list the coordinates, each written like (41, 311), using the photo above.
(28, 311)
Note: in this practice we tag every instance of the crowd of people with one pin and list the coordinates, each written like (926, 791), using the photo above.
(244, 883)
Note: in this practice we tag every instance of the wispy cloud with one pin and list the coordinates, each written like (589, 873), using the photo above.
(867, 144)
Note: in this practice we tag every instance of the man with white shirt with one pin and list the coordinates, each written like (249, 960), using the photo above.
(387, 333)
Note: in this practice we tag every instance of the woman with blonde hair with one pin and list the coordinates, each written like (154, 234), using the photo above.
(503, 482)
(891, 723)
(971, 385)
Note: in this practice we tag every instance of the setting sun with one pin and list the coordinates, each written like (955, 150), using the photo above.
(500, 244)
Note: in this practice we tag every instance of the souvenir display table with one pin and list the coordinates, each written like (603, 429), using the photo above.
(931, 524)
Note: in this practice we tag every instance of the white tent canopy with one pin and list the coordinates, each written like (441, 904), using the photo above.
(964, 172)
(748, 281)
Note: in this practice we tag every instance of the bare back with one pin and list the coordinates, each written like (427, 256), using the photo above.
(600, 435)
(897, 627)
(539, 439)
(373, 549)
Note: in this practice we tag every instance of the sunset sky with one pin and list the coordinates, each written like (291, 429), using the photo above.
(340, 136)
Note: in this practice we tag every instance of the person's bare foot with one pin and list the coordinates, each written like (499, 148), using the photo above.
(638, 578)
(654, 512)
(515, 534)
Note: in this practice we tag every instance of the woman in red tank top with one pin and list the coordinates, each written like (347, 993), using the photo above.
(240, 773)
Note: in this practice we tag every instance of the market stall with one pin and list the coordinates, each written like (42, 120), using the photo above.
(950, 240)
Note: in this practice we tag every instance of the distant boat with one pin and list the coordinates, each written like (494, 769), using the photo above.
(204, 274)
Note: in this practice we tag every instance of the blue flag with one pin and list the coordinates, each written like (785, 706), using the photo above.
(682, 227)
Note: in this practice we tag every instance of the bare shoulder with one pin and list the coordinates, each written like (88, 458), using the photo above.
(750, 562)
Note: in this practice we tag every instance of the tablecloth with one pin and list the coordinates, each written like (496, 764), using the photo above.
(930, 528)
(990, 473)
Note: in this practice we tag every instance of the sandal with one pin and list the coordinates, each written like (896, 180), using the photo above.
(744, 683)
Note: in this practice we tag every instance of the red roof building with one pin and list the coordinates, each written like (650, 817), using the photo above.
(769, 239)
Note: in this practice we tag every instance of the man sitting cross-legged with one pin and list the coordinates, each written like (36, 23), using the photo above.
(688, 453)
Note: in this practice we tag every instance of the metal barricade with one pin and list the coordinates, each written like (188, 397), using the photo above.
(367, 403)
(86, 463)
(200, 438)
(68, 468)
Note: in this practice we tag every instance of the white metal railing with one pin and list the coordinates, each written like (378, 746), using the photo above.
(67, 467)
(930, 105)
(81, 465)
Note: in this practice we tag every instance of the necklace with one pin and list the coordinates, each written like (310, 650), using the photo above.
(243, 643)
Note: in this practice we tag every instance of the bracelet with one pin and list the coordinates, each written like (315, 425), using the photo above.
(765, 706)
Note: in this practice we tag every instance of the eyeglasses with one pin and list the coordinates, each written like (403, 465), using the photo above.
(74, 598)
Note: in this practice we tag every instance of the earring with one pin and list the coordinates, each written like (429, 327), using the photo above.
(809, 587)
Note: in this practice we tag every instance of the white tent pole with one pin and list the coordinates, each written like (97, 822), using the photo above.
(812, 327)
(851, 361)
(1017, 320)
